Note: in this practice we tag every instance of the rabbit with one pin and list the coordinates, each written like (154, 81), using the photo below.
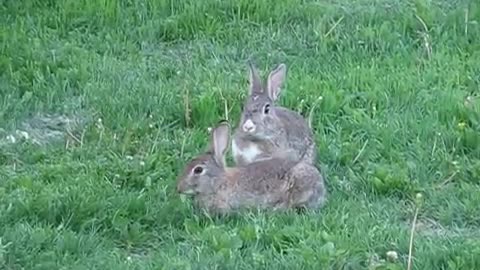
(266, 128)
(277, 183)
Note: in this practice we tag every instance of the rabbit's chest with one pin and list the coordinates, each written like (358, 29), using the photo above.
(247, 151)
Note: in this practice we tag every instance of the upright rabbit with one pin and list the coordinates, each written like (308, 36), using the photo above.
(276, 183)
(266, 128)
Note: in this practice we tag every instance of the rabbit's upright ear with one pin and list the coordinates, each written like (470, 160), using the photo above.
(255, 80)
(220, 141)
(275, 81)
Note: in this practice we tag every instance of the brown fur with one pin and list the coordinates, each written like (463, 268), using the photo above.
(278, 183)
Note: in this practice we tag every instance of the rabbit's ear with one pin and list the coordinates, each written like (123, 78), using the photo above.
(220, 141)
(275, 81)
(255, 80)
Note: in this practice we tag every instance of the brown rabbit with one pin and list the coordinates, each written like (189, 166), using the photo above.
(266, 128)
(277, 183)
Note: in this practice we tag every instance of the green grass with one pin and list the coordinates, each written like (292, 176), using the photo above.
(397, 118)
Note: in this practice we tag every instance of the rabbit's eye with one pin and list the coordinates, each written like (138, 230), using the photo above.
(198, 170)
(266, 109)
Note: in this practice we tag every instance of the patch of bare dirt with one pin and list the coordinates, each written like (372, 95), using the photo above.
(43, 129)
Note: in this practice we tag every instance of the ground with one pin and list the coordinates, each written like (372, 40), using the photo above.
(399, 116)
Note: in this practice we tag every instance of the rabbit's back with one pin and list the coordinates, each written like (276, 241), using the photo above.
(307, 186)
(280, 182)
(298, 135)
(263, 183)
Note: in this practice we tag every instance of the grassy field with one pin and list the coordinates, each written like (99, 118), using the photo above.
(400, 116)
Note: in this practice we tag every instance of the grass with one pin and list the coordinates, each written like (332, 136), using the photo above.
(400, 115)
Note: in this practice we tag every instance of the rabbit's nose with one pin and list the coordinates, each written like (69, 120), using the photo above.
(249, 126)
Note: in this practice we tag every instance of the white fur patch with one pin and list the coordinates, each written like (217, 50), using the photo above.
(248, 153)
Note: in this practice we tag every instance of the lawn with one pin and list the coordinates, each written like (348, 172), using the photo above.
(397, 129)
